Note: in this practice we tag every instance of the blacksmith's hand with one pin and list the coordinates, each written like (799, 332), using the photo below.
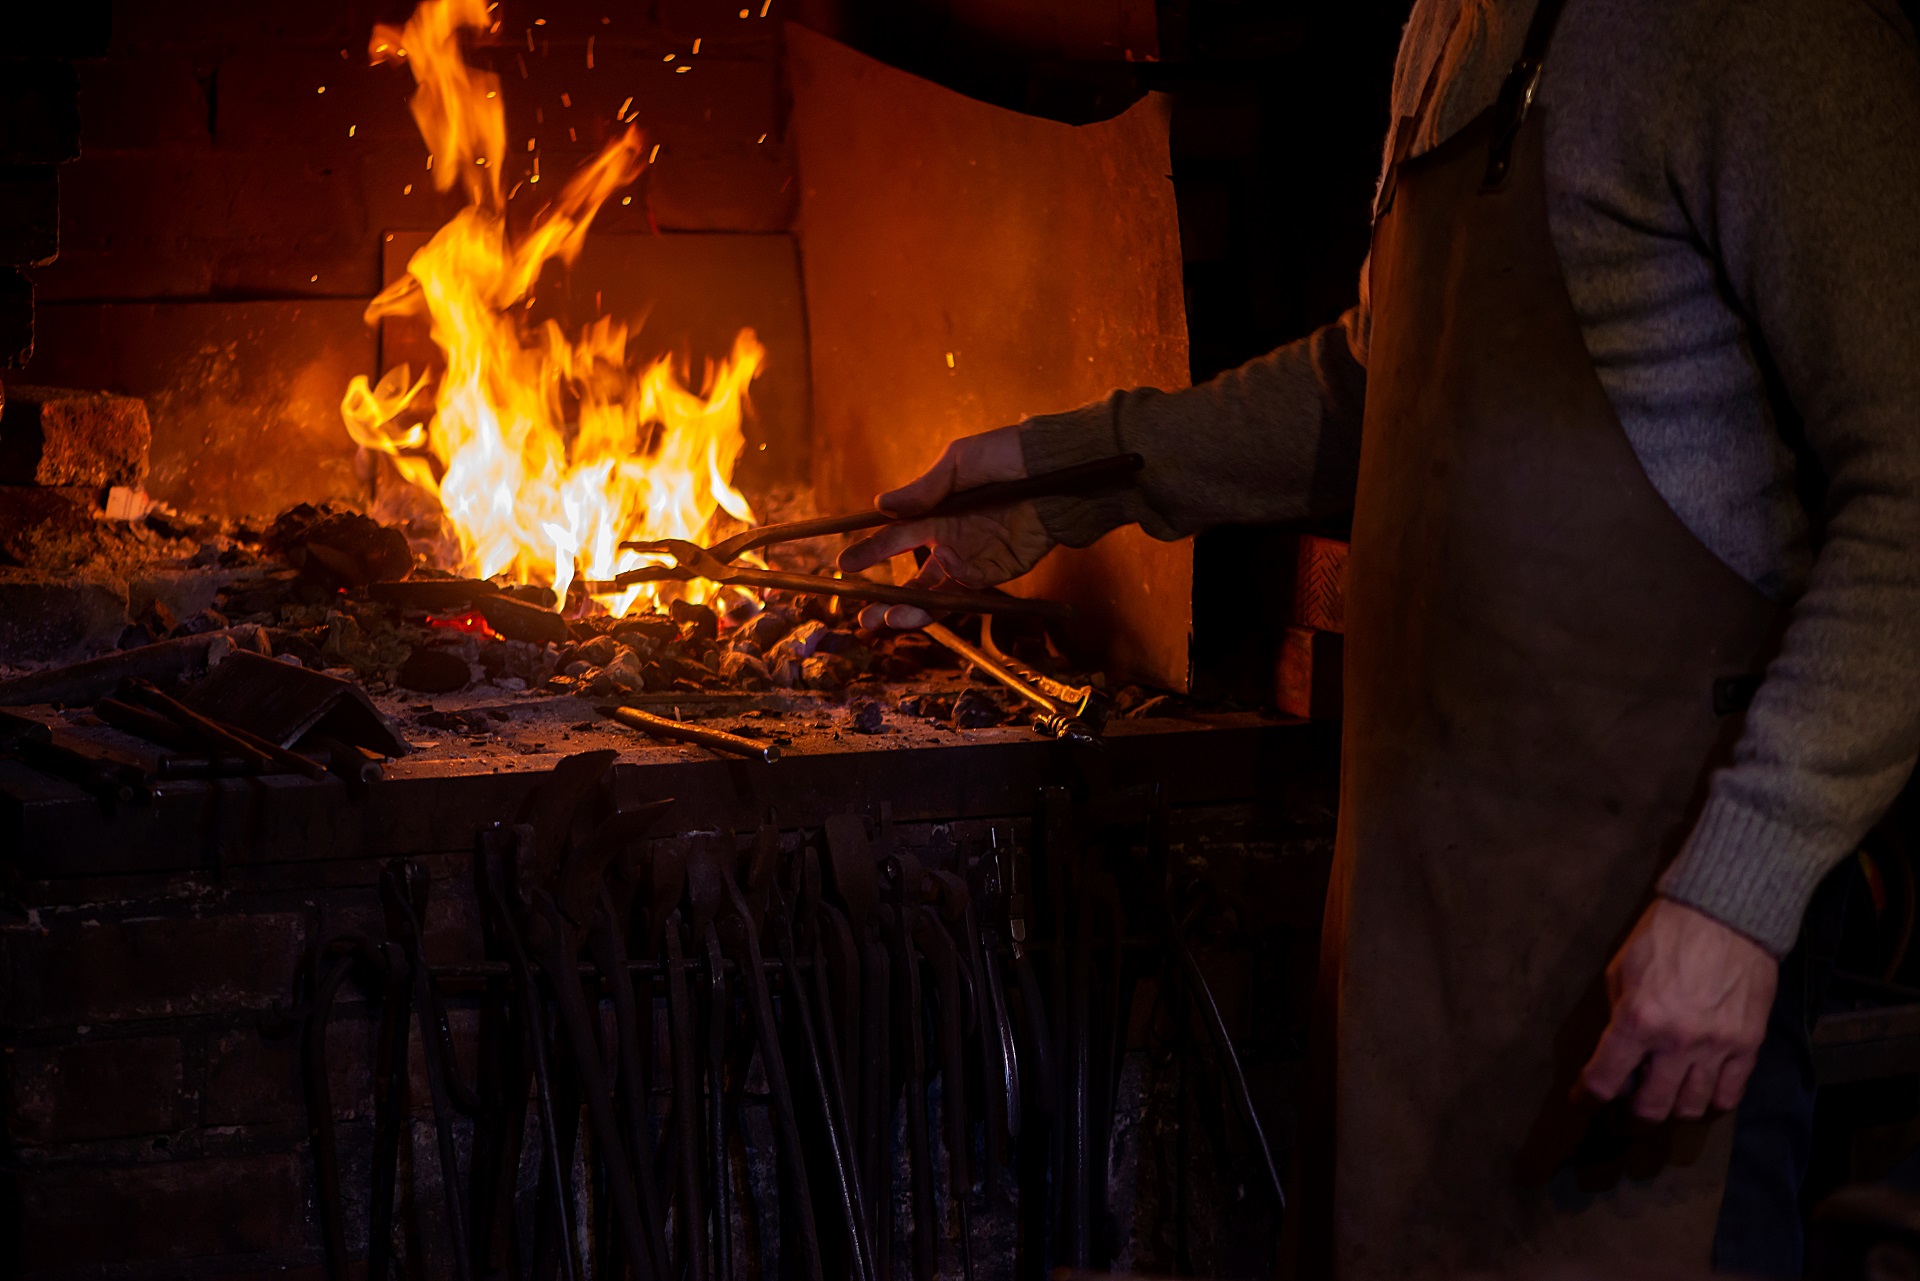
(1690, 1002)
(971, 551)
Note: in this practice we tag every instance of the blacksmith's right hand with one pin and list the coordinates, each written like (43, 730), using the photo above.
(969, 552)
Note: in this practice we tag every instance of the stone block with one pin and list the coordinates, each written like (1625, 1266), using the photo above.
(46, 529)
(100, 1089)
(85, 1216)
(39, 113)
(58, 620)
(52, 436)
(29, 214)
(78, 968)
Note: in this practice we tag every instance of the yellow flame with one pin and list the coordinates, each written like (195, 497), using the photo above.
(544, 452)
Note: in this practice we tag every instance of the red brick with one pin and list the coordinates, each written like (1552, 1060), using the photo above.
(155, 101)
(716, 21)
(720, 100)
(1320, 584)
(77, 1216)
(747, 189)
(164, 223)
(1307, 680)
(97, 1090)
(52, 436)
(254, 1080)
(84, 970)
(248, 24)
(274, 101)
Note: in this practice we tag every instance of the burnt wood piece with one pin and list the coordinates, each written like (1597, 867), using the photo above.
(282, 703)
(182, 658)
(52, 436)
(517, 620)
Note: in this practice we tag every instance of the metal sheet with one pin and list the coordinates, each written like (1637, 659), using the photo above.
(967, 266)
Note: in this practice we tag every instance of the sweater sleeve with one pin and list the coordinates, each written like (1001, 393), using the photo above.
(1795, 155)
(1276, 439)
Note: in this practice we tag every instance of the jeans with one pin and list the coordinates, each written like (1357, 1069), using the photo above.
(1760, 1232)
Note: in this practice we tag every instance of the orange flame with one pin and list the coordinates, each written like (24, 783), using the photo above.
(529, 493)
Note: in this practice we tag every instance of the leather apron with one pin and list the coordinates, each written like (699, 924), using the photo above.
(1542, 667)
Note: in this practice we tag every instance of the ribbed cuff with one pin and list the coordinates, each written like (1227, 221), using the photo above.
(1052, 441)
(1749, 872)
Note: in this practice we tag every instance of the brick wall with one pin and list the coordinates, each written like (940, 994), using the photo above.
(222, 230)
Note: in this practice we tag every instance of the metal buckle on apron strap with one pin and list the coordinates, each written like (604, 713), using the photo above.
(1517, 94)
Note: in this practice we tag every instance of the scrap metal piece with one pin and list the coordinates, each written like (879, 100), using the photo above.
(281, 703)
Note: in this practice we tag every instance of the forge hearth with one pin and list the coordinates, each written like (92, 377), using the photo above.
(199, 517)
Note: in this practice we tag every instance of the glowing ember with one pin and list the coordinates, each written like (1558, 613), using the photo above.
(544, 452)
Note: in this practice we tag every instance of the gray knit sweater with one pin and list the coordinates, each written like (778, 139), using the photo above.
(1734, 190)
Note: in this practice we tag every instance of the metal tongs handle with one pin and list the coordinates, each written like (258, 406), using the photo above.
(1101, 473)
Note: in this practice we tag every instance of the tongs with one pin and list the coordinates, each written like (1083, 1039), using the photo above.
(715, 563)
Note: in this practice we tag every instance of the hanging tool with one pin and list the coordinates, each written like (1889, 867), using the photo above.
(740, 936)
(503, 851)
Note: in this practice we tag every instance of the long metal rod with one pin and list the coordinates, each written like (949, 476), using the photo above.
(713, 739)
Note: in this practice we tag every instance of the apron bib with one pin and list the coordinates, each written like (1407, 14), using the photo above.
(1534, 643)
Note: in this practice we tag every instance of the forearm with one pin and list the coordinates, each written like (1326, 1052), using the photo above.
(1808, 194)
(1276, 439)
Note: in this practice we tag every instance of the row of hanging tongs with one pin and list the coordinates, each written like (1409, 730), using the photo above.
(642, 1000)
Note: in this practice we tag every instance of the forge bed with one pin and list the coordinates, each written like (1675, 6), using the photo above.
(156, 1115)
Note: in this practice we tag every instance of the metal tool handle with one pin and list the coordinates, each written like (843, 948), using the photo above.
(1101, 473)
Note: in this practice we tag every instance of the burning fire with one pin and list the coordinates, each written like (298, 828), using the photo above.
(544, 453)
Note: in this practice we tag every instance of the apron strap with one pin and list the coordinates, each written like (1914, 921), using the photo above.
(1404, 130)
(1516, 94)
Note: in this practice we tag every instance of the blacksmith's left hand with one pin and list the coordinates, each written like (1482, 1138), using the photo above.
(1690, 1002)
